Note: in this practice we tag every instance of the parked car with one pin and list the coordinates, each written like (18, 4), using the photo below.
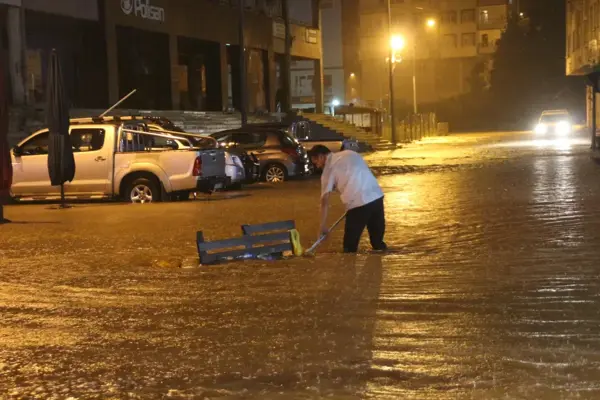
(301, 131)
(240, 167)
(114, 159)
(280, 155)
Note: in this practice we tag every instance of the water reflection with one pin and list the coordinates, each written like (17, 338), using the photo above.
(556, 201)
(563, 144)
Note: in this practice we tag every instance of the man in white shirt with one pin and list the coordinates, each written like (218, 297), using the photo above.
(348, 173)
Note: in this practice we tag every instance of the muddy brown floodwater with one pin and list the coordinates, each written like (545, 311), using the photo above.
(491, 292)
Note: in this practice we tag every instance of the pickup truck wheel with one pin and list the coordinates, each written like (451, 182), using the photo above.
(143, 190)
(275, 173)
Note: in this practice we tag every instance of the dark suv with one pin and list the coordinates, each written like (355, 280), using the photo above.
(280, 155)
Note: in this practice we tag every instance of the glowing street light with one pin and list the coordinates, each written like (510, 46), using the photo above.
(431, 22)
(397, 43)
(334, 103)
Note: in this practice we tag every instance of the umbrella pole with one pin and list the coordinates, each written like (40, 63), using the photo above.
(62, 196)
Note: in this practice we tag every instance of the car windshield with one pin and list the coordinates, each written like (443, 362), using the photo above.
(220, 136)
(288, 140)
(203, 143)
(553, 118)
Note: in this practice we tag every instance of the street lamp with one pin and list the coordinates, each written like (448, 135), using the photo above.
(397, 43)
(393, 42)
(334, 104)
(430, 23)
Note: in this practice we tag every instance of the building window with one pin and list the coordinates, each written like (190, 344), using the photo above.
(467, 39)
(467, 16)
(399, 20)
(485, 40)
(484, 17)
(449, 17)
(450, 40)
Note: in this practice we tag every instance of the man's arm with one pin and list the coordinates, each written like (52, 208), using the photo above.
(324, 209)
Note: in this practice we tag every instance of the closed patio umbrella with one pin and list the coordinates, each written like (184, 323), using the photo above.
(5, 161)
(61, 164)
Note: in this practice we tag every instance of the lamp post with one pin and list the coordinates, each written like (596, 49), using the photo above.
(430, 24)
(243, 69)
(396, 45)
(334, 104)
(391, 73)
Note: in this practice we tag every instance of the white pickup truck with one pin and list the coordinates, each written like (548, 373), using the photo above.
(116, 160)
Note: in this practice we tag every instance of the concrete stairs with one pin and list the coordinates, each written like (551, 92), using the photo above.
(202, 122)
(23, 122)
(348, 130)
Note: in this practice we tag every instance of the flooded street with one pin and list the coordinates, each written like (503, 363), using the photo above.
(491, 290)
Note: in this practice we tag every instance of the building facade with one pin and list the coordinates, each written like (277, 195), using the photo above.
(583, 34)
(583, 53)
(445, 57)
(303, 70)
(33, 28)
(178, 54)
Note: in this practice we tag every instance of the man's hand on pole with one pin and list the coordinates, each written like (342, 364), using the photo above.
(323, 230)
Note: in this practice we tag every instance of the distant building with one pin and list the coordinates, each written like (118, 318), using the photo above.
(302, 71)
(582, 49)
(445, 54)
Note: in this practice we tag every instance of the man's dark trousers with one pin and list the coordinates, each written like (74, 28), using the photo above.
(371, 216)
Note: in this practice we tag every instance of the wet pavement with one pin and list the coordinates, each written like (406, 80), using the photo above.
(491, 290)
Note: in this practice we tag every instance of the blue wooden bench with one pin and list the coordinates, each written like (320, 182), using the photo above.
(263, 240)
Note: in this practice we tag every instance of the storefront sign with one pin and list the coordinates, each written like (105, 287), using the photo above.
(311, 35)
(143, 9)
(278, 30)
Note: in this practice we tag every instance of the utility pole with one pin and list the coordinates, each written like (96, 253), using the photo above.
(391, 72)
(414, 76)
(593, 78)
(287, 59)
(243, 69)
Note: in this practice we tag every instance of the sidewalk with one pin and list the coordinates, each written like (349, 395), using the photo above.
(453, 149)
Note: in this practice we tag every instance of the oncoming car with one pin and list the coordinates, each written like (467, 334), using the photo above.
(557, 122)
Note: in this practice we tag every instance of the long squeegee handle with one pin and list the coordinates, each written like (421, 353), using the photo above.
(318, 242)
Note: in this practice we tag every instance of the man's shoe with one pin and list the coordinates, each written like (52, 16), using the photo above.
(383, 247)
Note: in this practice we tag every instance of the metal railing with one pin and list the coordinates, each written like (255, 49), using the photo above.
(416, 127)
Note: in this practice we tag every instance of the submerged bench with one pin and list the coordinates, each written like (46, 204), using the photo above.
(270, 239)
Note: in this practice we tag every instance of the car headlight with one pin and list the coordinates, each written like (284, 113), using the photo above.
(563, 127)
(541, 129)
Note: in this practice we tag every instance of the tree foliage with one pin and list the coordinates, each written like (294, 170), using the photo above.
(529, 66)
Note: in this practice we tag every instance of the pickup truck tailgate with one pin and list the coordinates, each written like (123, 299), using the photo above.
(213, 162)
